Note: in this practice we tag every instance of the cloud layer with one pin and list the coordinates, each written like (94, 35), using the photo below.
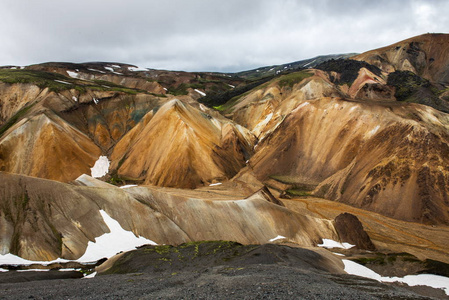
(207, 35)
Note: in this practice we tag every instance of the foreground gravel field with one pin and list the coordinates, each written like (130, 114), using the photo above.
(210, 270)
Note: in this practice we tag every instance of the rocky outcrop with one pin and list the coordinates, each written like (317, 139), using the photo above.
(350, 230)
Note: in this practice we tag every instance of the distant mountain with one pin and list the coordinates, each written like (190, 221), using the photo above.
(289, 67)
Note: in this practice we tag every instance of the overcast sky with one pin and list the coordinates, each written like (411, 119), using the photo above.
(207, 35)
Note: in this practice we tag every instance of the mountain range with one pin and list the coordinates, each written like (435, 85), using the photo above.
(193, 156)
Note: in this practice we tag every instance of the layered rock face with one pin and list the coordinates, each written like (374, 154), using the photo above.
(388, 158)
(43, 220)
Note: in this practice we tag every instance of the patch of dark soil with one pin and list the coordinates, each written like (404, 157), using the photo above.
(197, 256)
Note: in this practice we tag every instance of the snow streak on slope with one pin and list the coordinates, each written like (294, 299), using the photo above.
(435, 281)
(105, 246)
(116, 241)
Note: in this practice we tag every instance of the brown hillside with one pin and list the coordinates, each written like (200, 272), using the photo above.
(180, 146)
(426, 55)
(385, 157)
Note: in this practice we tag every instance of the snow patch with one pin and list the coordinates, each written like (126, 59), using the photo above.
(11, 259)
(200, 92)
(74, 99)
(105, 246)
(232, 86)
(309, 63)
(33, 270)
(3, 270)
(60, 81)
(128, 186)
(329, 244)
(95, 70)
(109, 244)
(435, 281)
(95, 100)
(100, 168)
(91, 275)
(73, 74)
(136, 69)
(279, 237)
(214, 184)
(112, 70)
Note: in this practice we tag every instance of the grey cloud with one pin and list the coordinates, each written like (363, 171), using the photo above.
(206, 35)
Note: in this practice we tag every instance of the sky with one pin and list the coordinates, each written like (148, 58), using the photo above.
(207, 35)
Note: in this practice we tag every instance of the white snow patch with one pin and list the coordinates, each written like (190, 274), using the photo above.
(165, 89)
(12, 68)
(435, 281)
(11, 259)
(109, 244)
(135, 69)
(60, 81)
(101, 167)
(112, 70)
(328, 243)
(309, 63)
(232, 86)
(214, 184)
(128, 186)
(95, 100)
(91, 275)
(21, 68)
(33, 270)
(279, 237)
(95, 70)
(73, 74)
(74, 99)
(3, 270)
(200, 92)
(339, 254)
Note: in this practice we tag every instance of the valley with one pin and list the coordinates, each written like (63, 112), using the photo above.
(349, 148)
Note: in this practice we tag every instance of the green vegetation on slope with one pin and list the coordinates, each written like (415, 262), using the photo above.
(57, 82)
(406, 83)
(410, 87)
(11, 121)
(293, 78)
(39, 78)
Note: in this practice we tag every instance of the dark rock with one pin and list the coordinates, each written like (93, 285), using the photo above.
(350, 230)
